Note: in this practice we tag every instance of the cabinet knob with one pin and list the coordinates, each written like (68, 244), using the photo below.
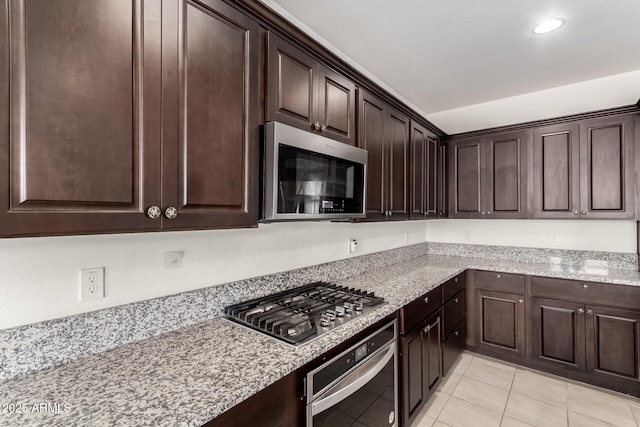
(575, 212)
(498, 276)
(456, 333)
(585, 286)
(426, 300)
(456, 300)
(323, 128)
(589, 311)
(483, 213)
(154, 212)
(441, 213)
(583, 212)
(489, 213)
(521, 300)
(316, 125)
(455, 279)
(171, 212)
(580, 310)
(390, 213)
(427, 329)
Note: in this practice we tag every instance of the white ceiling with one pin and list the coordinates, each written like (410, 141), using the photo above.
(446, 54)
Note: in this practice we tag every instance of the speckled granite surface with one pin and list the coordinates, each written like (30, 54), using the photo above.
(48, 344)
(187, 377)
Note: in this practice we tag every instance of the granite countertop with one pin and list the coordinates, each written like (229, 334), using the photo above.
(189, 376)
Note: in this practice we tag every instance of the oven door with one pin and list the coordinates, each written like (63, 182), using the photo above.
(365, 396)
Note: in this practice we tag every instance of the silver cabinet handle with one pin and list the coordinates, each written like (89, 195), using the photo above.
(583, 212)
(390, 213)
(520, 300)
(171, 212)
(154, 212)
(426, 299)
(580, 310)
(455, 279)
(323, 128)
(456, 333)
(589, 311)
(316, 125)
(455, 300)
(585, 286)
(575, 212)
(427, 329)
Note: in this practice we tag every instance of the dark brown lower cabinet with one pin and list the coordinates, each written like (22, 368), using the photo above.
(421, 350)
(500, 324)
(452, 347)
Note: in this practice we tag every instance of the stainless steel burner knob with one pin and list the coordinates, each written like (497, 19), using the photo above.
(331, 314)
(325, 321)
(348, 307)
(340, 311)
(359, 306)
(292, 332)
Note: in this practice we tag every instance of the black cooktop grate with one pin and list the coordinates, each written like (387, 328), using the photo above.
(300, 314)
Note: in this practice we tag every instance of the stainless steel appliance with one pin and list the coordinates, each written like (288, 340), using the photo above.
(358, 387)
(308, 176)
(301, 314)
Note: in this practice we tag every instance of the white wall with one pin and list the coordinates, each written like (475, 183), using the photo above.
(607, 92)
(599, 235)
(39, 277)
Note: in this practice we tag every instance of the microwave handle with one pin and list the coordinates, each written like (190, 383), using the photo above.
(354, 381)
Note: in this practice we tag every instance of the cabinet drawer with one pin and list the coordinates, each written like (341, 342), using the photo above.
(452, 286)
(416, 311)
(452, 313)
(452, 347)
(606, 294)
(504, 282)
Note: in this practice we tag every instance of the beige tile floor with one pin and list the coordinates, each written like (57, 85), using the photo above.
(480, 391)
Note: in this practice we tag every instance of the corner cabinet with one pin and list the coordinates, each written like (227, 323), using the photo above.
(384, 133)
(424, 172)
(304, 93)
(488, 176)
(143, 126)
(584, 169)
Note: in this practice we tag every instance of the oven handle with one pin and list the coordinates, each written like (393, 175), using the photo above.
(354, 381)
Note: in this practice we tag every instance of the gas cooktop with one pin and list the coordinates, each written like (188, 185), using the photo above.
(301, 314)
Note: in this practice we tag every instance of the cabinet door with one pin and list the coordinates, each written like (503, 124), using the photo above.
(452, 347)
(506, 192)
(613, 342)
(606, 167)
(291, 84)
(556, 176)
(413, 361)
(210, 99)
(424, 172)
(336, 106)
(371, 137)
(421, 362)
(398, 127)
(465, 178)
(441, 178)
(79, 116)
(500, 322)
(557, 333)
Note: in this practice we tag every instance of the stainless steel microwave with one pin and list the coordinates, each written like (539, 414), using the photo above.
(308, 176)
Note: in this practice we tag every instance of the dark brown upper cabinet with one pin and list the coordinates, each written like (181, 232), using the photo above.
(584, 170)
(384, 133)
(488, 176)
(302, 92)
(424, 172)
(97, 113)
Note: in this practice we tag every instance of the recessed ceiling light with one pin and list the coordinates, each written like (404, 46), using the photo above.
(548, 26)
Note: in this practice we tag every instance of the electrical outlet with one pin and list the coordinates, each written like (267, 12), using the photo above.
(554, 240)
(353, 246)
(173, 259)
(91, 283)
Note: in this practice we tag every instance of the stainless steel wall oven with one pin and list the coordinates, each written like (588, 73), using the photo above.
(358, 387)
